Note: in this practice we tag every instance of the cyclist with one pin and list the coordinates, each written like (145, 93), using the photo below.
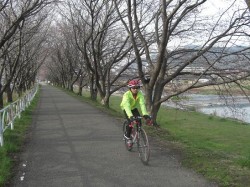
(131, 101)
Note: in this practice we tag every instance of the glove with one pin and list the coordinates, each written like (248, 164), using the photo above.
(148, 120)
(132, 121)
(147, 117)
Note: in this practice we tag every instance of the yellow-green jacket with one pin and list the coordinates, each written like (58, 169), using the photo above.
(129, 103)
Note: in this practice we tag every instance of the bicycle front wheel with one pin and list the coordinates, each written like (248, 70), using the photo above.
(128, 146)
(124, 126)
(143, 147)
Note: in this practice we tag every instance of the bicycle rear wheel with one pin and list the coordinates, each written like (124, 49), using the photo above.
(143, 147)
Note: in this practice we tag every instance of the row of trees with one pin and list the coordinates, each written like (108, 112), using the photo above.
(103, 43)
(23, 31)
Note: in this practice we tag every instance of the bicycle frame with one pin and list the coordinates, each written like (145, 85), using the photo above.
(139, 137)
(136, 128)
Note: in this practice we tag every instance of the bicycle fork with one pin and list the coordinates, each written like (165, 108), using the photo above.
(134, 136)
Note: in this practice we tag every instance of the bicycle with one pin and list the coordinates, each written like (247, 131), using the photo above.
(140, 138)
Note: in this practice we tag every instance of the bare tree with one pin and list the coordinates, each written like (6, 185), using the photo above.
(15, 36)
(102, 43)
(66, 59)
(13, 13)
(166, 29)
(34, 52)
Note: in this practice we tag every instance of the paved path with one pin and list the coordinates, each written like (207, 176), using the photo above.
(73, 144)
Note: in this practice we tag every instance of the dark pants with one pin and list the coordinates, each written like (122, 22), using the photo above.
(135, 113)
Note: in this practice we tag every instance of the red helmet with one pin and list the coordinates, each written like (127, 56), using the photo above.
(134, 83)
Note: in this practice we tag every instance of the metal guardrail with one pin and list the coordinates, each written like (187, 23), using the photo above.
(9, 113)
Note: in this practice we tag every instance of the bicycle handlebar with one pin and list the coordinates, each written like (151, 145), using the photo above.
(141, 117)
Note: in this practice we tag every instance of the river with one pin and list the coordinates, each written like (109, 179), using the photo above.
(237, 107)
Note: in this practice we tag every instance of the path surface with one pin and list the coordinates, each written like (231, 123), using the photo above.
(73, 144)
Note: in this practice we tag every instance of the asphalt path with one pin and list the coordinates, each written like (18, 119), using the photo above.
(73, 144)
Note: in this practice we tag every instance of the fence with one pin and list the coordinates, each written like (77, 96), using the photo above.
(12, 111)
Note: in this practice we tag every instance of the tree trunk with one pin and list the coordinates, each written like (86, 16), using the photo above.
(20, 90)
(154, 95)
(93, 92)
(103, 96)
(9, 94)
(1, 100)
(80, 91)
(71, 87)
(105, 100)
(1, 97)
(93, 89)
(248, 3)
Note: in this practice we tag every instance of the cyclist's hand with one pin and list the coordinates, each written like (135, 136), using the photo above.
(148, 120)
(132, 120)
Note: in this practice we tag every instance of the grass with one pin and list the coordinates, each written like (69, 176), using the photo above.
(13, 141)
(215, 147)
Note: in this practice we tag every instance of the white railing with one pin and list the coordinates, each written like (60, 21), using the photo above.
(9, 113)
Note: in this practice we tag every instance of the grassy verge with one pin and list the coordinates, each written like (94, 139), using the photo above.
(215, 147)
(13, 141)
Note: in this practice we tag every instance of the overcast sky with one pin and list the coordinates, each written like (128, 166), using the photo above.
(213, 10)
(212, 7)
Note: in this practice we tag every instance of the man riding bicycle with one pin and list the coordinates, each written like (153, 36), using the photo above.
(131, 101)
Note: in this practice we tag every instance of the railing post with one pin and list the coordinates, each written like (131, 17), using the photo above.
(1, 131)
(19, 108)
(11, 117)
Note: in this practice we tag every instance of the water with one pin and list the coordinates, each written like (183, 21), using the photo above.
(237, 107)
(240, 113)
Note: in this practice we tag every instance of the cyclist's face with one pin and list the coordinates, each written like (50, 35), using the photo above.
(134, 90)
